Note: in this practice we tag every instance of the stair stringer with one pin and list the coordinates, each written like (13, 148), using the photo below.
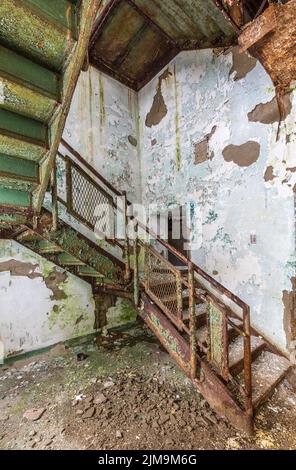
(72, 70)
(209, 384)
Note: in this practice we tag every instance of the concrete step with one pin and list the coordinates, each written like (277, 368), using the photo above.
(268, 370)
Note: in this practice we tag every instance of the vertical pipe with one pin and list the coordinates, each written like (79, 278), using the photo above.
(136, 266)
(192, 319)
(247, 362)
(54, 196)
(126, 244)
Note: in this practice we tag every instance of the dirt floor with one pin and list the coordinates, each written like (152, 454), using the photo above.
(126, 394)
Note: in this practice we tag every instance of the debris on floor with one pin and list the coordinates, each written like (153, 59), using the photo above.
(131, 396)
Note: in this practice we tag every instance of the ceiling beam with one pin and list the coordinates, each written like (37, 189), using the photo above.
(133, 42)
(102, 20)
(152, 23)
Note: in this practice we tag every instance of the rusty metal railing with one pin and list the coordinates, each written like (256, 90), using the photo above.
(165, 284)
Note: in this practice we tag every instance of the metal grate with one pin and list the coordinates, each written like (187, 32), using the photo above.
(217, 339)
(89, 203)
(163, 284)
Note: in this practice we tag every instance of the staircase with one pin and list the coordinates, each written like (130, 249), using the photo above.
(43, 44)
(205, 327)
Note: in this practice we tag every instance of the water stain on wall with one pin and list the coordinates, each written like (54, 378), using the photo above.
(289, 301)
(268, 113)
(242, 63)
(201, 149)
(158, 109)
(243, 155)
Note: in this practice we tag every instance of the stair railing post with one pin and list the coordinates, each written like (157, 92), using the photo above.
(247, 362)
(54, 196)
(126, 242)
(192, 319)
(136, 266)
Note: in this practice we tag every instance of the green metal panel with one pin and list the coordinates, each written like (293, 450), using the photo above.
(34, 36)
(60, 11)
(46, 247)
(23, 126)
(18, 167)
(67, 259)
(22, 100)
(188, 20)
(19, 148)
(87, 271)
(28, 72)
(11, 182)
(12, 197)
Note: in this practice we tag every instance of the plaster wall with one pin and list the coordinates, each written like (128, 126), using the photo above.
(102, 126)
(40, 304)
(207, 145)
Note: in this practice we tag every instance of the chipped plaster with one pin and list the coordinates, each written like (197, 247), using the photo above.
(243, 202)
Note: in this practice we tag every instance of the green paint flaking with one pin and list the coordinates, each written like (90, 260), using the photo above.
(22, 100)
(169, 339)
(177, 121)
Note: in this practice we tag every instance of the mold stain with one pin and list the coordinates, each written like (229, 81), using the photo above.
(242, 155)
(177, 121)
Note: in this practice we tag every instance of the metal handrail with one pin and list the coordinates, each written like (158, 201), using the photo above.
(192, 268)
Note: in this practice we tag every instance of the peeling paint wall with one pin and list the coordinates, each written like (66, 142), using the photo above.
(211, 152)
(40, 304)
(102, 126)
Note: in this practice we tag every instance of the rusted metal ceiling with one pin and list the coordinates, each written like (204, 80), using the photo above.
(134, 39)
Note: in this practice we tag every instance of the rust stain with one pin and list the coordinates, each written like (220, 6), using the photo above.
(20, 268)
(243, 155)
(132, 140)
(177, 122)
(289, 302)
(102, 103)
(201, 149)
(158, 109)
(270, 112)
(52, 282)
(268, 175)
(242, 63)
